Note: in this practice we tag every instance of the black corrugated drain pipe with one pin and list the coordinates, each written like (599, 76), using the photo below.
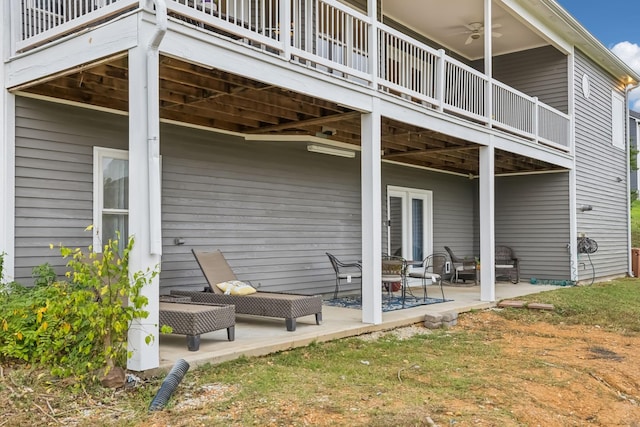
(169, 385)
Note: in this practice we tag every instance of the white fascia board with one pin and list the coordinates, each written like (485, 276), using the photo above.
(70, 52)
(449, 125)
(570, 32)
(189, 45)
(435, 121)
(534, 151)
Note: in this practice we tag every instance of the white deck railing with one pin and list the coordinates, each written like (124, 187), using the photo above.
(330, 37)
(40, 21)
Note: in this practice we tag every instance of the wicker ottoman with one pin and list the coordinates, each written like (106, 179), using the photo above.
(194, 319)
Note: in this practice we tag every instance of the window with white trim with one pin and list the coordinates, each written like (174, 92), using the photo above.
(110, 196)
(618, 120)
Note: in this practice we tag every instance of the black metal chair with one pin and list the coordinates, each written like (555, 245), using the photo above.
(344, 271)
(434, 269)
(394, 270)
(507, 264)
(464, 268)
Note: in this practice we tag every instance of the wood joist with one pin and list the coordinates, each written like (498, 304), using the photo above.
(214, 98)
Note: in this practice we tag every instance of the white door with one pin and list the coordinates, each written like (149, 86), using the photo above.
(409, 222)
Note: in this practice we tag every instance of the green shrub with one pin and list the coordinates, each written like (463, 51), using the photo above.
(43, 274)
(77, 326)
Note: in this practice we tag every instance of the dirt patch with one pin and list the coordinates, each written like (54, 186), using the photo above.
(571, 375)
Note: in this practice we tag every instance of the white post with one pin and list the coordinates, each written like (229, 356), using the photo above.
(536, 119)
(145, 356)
(374, 49)
(7, 150)
(487, 224)
(440, 78)
(286, 27)
(573, 192)
(371, 182)
(488, 62)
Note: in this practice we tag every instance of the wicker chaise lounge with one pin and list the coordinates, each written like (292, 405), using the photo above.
(270, 304)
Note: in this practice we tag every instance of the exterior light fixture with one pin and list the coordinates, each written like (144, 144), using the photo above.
(333, 151)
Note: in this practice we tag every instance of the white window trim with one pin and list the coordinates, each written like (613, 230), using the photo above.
(618, 120)
(98, 197)
(407, 194)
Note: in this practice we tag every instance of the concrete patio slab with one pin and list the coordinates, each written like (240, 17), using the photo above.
(256, 336)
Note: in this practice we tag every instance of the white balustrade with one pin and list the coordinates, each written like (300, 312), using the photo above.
(331, 37)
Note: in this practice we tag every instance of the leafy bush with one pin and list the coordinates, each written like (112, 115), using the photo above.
(77, 326)
(43, 274)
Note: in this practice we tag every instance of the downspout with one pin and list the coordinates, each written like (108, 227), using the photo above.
(627, 89)
(153, 129)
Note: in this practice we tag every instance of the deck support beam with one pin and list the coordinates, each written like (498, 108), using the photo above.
(7, 157)
(145, 356)
(371, 205)
(487, 224)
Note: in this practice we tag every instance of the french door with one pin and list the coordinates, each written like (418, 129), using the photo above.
(409, 222)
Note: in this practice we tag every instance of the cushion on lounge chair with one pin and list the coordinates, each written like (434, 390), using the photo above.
(236, 287)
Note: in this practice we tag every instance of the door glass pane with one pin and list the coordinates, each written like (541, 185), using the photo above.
(417, 227)
(111, 224)
(395, 231)
(115, 183)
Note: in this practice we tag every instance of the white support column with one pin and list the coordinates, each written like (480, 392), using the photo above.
(285, 25)
(573, 193)
(371, 183)
(488, 61)
(372, 9)
(7, 151)
(487, 224)
(145, 356)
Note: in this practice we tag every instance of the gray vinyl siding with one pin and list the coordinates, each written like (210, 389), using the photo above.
(541, 72)
(274, 209)
(532, 217)
(598, 166)
(54, 176)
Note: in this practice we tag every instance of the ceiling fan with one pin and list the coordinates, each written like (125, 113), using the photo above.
(476, 30)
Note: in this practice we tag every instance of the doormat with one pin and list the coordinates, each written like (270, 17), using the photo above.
(388, 304)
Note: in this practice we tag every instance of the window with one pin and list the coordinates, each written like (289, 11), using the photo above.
(110, 196)
(618, 120)
(410, 213)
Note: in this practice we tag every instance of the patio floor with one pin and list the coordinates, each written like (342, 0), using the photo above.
(255, 336)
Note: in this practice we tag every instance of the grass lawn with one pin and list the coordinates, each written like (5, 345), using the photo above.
(498, 367)
(635, 224)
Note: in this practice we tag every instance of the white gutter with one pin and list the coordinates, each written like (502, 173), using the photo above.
(615, 65)
(627, 144)
(153, 129)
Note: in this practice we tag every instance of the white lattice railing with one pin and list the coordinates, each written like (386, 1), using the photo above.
(330, 37)
(553, 127)
(513, 110)
(43, 20)
(408, 66)
(464, 90)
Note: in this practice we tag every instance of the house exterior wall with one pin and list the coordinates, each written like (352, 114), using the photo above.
(599, 166)
(54, 176)
(540, 72)
(532, 217)
(273, 208)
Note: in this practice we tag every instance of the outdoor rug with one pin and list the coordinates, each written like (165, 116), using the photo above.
(388, 304)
